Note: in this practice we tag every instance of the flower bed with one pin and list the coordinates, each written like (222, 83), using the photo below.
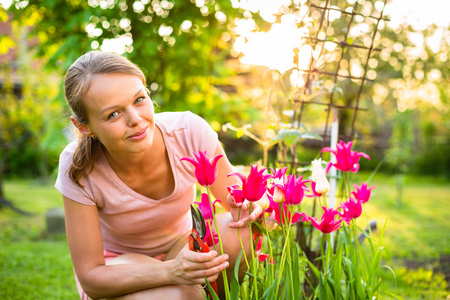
(318, 258)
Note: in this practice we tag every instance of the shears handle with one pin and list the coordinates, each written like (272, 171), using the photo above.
(196, 244)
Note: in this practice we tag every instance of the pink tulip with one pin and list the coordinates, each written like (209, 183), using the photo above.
(278, 193)
(205, 170)
(352, 209)
(313, 190)
(208, 239)
(255, 184)
(295, 190)
(279, 173)
(347, 160)
(237, 193)
(205, 207)
(272, 205)
(282, 218)
(327, 223)
(362, 193)
(277, 189)
(262, 256)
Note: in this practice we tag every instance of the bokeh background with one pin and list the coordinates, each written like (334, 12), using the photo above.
(233, 62)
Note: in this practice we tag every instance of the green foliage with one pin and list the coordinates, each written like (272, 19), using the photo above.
(399, 154)
(413, 284)
(29, 146)
(28, 258)
(180, 46)
(435, 160)
(414, 226)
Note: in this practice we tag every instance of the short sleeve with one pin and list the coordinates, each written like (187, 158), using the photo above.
(65, 185)
(203, 136)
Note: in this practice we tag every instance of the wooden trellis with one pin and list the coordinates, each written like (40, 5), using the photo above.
(345, 44)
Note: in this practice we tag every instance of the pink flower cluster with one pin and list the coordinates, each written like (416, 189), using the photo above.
(278, 192)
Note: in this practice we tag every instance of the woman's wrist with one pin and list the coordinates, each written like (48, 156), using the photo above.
(168, 273)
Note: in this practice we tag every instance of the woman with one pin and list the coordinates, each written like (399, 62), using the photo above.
(127, 193)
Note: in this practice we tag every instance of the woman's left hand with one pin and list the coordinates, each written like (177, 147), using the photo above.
(240, 212)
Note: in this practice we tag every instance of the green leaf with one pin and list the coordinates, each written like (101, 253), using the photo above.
(289, 136)
(314, 269)
(362, 231)
(312, 136)
(337, 266)
(234, 285)
(268, 294)
(214, 295)
(296, 272)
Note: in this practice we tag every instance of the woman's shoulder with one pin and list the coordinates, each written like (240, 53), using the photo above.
(180, 120)
(181, 116)
(187, 131)
(69, 150)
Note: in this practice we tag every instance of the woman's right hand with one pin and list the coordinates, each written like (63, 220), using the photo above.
(190, 267)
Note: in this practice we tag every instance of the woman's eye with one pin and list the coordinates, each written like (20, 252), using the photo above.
(139, 100)
(112, 115)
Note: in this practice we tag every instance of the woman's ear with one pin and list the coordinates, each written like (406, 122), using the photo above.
(82, 128)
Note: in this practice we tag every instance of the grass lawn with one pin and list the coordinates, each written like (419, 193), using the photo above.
(34, 265)
(417, 237)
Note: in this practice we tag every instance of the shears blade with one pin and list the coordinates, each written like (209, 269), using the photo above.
(198, 222)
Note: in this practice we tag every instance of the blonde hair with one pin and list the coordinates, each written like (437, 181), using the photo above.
(76, 85)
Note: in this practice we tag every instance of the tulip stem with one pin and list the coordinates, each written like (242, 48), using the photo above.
(272, 275)
(254, 266)
(283, 259)
(346, 185)
(290, 210)
(282, 219)
(211, 232)
(224, 272)
(240, 240)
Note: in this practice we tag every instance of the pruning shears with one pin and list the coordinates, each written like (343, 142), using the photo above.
(196, 237)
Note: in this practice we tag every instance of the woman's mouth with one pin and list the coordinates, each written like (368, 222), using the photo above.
(139, 135)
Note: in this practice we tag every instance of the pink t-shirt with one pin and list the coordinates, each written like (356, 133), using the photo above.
(131, 222)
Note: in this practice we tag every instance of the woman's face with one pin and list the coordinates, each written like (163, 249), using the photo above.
(121, 114)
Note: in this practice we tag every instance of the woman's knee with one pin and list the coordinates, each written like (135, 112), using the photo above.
(176, 292)
(132, 258)
(234, 241)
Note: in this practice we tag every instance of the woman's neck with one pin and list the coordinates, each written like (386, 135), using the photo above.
(141, 163)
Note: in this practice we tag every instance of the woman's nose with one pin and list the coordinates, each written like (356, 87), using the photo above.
(133, 117)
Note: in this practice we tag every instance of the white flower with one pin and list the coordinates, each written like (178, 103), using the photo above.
(264, 202)
(319, 177)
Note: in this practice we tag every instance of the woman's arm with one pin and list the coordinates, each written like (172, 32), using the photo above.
(219, 188)
(219, 191)
(99, 280)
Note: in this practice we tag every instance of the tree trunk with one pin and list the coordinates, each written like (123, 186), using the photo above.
(2, 168)
(5, 203)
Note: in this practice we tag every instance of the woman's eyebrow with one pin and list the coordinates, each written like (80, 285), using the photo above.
(108, 108)
(115, 106)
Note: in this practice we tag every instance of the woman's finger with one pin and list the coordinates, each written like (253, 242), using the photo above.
(211, 272)
(239, 224)
(201, 262)
(257, 211)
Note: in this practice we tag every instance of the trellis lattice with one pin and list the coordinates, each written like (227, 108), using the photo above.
(354, 34)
